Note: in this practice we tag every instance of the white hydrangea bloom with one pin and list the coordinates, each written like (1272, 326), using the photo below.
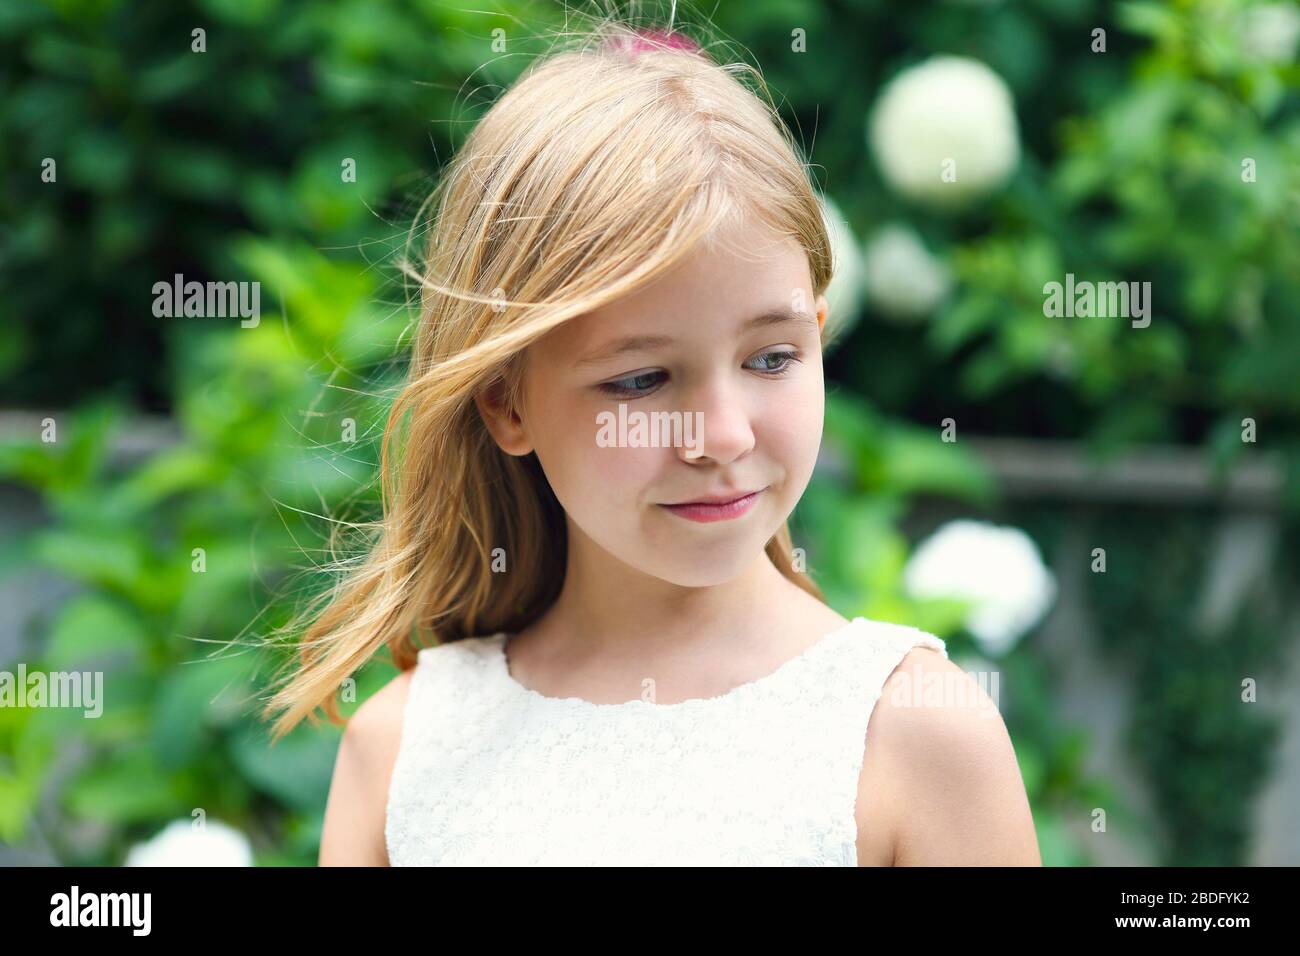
(182, 843)
(903, 281)
(1270, 32)
(948, 113)
(844, 295)
(996, 568)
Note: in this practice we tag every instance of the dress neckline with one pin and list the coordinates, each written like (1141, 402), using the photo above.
(501, 666)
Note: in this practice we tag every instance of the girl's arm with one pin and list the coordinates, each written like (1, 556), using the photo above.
(953, 791)
(353, 831)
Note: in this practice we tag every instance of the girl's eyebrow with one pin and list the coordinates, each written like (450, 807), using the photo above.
(637, 343)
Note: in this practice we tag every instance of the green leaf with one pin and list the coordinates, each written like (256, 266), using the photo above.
(94, 557)
(91, 628)
(129, 788)
(296, 770)
(169, 473)
(195, 698)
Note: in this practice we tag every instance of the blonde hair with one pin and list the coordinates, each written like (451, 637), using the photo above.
(595, 173)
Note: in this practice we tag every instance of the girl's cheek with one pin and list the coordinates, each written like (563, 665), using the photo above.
(792, 429)
(797, 413)
(599, 465)
(623, 467)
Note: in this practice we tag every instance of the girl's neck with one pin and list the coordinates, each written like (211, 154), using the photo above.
(602, 613)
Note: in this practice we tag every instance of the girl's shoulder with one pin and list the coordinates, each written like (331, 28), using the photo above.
(380, 715)
(378, 721)
(940, 766)
(353, 829)
(357, 809)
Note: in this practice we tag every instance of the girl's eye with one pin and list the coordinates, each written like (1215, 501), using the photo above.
(644, 382)
(787, 359)
(631, 386)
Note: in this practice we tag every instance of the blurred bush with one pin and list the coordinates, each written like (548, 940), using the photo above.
(187, 560)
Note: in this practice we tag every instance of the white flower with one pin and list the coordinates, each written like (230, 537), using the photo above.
(185, 843)
(903, 281)
(996, 568)
(844, 295)
(1269, 32)
(951, 115)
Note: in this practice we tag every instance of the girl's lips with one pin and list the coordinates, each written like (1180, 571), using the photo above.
(718, 512)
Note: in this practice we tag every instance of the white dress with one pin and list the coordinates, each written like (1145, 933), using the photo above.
(491, 773)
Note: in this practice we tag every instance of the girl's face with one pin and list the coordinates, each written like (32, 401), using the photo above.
(730, 341)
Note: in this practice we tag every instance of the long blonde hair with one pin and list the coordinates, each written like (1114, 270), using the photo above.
(595, 173)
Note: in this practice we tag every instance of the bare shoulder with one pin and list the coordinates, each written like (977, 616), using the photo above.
(353, 832)
(943, 773)
(380, 715)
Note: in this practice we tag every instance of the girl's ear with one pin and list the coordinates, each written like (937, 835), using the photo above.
(823, 311)
(503, 423)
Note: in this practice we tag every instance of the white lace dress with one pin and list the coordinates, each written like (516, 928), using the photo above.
(491, 773)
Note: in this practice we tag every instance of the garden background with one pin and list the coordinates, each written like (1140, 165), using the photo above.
(977, 448)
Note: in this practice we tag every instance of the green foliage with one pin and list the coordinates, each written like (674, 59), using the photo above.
(164, 154)
(180, 728)
(1207, 749)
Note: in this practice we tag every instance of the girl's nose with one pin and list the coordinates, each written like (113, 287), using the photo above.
(721, 427)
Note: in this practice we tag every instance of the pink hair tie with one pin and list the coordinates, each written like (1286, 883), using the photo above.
(650, 39)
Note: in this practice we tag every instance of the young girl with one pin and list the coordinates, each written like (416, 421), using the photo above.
(607, 653)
